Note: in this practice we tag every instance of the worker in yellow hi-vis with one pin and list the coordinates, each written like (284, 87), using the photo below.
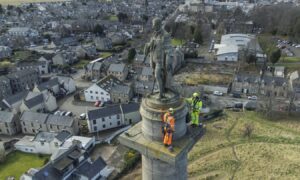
(195, 105)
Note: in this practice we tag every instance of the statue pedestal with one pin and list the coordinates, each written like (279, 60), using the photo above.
(146, 137)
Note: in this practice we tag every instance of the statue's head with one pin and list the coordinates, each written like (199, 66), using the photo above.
(156, 24)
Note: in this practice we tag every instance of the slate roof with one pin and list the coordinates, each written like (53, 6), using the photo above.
(4, 79)
(116, 68)
(123, 89)
(63, 135)
(60, 120)
(131, 107)
(267, 80)
(97, 66)
(147, 71)
(44, 136)
(104, 112)
(107, 82)
(34, 99)
(29, 116)
(6, 116)
(21, 73)
(48, 84)
(91, 169)
(16, 97)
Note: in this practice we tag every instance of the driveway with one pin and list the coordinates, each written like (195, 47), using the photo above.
(67, 104)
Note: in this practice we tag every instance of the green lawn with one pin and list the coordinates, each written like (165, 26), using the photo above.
(289, 66)
(113, 18)
(177, 42)
(17, 163)
(81, 64)
(21, 55)
(289, 59)
(105, 55)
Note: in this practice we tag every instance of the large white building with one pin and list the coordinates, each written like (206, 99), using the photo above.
(100, 91)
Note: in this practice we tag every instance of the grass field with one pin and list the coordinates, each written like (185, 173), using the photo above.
(105, 54)
(203, 78)
(177, 42)
(289, 59)
(270, 152)
(17, 163)
(18, 2)
(81, 64)
(225, 153)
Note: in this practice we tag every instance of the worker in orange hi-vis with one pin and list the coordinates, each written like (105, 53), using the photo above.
(169, 128)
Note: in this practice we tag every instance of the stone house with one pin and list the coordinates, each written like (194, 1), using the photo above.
(147, 74)
(103, 43)
(39, 102)
(140, 61)
(23, 31)
(13, 102)
(5, 52)
(42, 66)
(112, 117)
(9, 123)
(5, 88)
(95, 70)
(279, 71)
(120, 71)
(254, 84)
(121, 94)
(32, 122)
(23, 80)
(65, 58)
(101, 91)
(85, 51)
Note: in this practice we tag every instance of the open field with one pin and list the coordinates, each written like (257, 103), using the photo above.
(16, 163)
(197, 78)
(18, 2)
(270, 152)
(289, 59)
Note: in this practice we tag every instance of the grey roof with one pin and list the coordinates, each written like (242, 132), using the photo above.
(44, 136)
(97, 66)
(16, 97)
(21, 73)
(53, 169)
(124, 89)
(48, 84)
(34, 117)
(63, 135)
(60, 120)
(116, 68)
(131, 107)
(104, 112)
(91, 169)
(267, 80)
(6, 116)
(147, 71)
(107, 82)
(4, 79)
(34, 99)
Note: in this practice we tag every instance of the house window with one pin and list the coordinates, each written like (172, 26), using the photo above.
(103, 126)
(25, 130)
(92, 97)
(118, 116)
(95, 128)
(7, 131)
(58, 127)
(91, 92)
(23, 123)
(31, 124)
(96, 92)
(56, 144)
(33, 130)
(97, 98)
(102, 93)
(40, 126)
(50, 126)
(119, 123)
(103, 120)
(94, 121)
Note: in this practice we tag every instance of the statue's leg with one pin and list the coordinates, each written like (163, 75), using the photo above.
(158, 76)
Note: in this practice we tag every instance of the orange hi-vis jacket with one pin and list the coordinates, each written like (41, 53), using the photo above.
(169, 120)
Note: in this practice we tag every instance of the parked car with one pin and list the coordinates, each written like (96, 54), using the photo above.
(57, 113)
(218, 93)
(252, 97)
(236, 95)
(63, 113)
(69, 113)
(82, 116)
(97, 104)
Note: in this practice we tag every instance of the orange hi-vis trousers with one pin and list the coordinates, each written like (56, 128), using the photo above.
(168, 138)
